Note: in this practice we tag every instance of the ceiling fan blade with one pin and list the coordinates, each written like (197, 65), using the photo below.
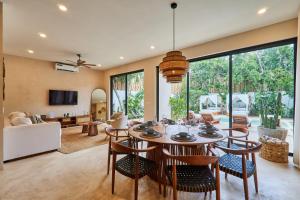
(71, 61)
(92, 65)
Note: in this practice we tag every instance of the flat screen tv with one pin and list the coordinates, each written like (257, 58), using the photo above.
(61, 97)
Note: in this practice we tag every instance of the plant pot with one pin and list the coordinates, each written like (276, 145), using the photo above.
(279, 132)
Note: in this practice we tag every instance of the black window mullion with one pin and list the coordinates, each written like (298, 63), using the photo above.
(157, 93)
(187, 94)
(230, 91)
(126, 93)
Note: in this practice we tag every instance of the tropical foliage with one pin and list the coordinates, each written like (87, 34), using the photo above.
(262, 72)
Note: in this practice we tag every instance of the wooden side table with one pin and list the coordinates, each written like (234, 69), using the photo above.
(93, 129)
(85, 128)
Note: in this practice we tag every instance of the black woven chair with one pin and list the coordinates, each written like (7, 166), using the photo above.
(235, 162)
(114, 136)
(132, 165)
(229, 143)
(191, 173)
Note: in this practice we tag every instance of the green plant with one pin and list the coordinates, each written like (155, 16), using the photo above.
(270, 108)
(178, 107)
(135, 106)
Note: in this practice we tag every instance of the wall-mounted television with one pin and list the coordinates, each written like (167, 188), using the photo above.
(62, 97)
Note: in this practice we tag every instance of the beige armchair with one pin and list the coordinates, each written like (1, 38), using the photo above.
(118, 121)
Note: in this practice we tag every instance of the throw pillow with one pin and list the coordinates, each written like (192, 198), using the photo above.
(33, 119)
(20, 121)
(38, 119)
(15, 114)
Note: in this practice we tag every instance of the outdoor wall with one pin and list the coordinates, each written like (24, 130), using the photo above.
(275, 32)
(1, 85)
(28, 82)
(297, 106)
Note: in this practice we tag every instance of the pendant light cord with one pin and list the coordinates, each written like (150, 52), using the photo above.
(173, 29)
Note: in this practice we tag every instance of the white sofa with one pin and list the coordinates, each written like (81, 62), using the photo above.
(24, 140)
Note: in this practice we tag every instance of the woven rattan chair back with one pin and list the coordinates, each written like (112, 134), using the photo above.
(112, 135)
(132, 165)
(236, 162)
(189, 167)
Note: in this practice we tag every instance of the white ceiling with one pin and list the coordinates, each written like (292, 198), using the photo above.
(104, 30)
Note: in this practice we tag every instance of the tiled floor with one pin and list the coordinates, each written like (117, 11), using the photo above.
(82, 175)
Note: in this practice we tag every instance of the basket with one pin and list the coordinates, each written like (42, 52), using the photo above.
(274, 149)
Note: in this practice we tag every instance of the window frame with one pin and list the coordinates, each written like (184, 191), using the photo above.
(126, 88)
(230, 54)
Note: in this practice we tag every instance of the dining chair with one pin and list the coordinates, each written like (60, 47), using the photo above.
(113, 135)
(191, 173)
(209, 117)
(237, 145)
(235, 162)
(132, 165)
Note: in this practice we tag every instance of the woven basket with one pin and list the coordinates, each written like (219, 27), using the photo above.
(274, 149)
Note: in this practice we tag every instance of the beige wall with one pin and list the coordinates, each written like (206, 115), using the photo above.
(1, 86)
(263, 35)
(297, 106)
(28, 82)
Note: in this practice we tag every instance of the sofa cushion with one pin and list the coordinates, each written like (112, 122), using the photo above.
(20, 121)
(16, 114)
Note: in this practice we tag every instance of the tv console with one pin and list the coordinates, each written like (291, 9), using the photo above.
(70, 121)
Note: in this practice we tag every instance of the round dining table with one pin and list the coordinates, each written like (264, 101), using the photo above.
(168, 131)
(165, 141)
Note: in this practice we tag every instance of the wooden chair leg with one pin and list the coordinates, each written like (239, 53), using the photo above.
(255, 181)
(113, 174)
(245, 179)
(218, 193)
(255, 173)
(136, 188)
(174, 182)
(108, 157)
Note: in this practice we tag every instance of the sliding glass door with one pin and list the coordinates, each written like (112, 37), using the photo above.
(209, 88)
(252, 87)
(263, 85)
(118, 94)
(127, 94)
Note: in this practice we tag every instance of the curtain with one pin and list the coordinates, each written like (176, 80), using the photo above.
(297, 105)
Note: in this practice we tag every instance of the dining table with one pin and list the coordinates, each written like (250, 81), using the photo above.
(165, 140)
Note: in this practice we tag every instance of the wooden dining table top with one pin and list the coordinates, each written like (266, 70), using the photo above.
(165, 138)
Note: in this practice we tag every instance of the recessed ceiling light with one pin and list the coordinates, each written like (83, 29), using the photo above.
(62, 7)
(42, 35)
(262, 11)
(30, 51)
(152, 47)
(121, 57)
(99, 65)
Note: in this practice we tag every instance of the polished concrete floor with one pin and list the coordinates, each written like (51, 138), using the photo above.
(82, 176)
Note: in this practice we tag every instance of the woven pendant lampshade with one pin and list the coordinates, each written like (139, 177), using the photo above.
(174, 66)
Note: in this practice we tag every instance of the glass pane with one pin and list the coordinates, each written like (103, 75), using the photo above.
(263, 91)
(118, 94)
(135, 92)
(172, 99)
(208, 92)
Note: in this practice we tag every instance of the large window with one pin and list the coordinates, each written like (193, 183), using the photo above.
(173, 101)
(127, 94)
(209, 88)
(241, 86)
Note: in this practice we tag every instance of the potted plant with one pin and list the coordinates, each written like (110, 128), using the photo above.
(271, 108)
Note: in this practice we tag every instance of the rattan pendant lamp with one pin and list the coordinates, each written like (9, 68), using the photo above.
(174, 66)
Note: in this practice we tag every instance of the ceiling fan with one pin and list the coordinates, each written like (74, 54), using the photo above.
(81, 63)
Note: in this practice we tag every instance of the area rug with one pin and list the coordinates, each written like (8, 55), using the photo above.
(73, 140)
